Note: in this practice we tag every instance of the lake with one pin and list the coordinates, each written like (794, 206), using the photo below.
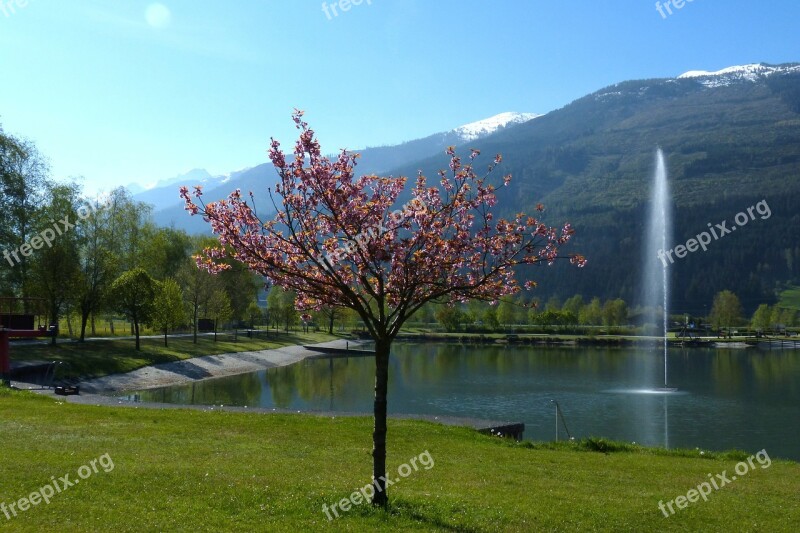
(747, 399)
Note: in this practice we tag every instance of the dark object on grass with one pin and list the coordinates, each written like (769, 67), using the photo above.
(205, 325)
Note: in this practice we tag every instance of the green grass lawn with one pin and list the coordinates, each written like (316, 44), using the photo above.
(111, 356)
(790, 298)
(190, 470)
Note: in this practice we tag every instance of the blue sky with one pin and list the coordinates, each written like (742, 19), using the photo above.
(136, 91)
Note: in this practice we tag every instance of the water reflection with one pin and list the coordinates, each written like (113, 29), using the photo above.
(666, 421)
(726, 398)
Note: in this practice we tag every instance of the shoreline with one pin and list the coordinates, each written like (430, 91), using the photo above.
(481, 425)
(568, 340)
(107, 390)
(236, 363)
(205, 367)
(111, 390)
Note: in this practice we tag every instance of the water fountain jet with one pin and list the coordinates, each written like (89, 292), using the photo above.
(656, 285)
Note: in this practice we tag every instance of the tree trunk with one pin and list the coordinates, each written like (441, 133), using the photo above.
(330, 324)
(136, 332)
(84, 322)
(54, 320)
(382, 347)
(194, 325)
(165, 338)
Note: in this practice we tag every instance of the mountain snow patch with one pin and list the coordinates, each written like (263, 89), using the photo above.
(482, 128)
(727, 76)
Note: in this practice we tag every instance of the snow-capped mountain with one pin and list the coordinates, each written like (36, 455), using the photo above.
(199, 175)
(482, 128)
(386, 158)
(751, 73)
(378, 160)
(726, 77)
(163, 193)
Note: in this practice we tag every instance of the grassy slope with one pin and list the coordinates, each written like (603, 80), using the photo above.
(790, 298)
(100, 358)
(193, 470)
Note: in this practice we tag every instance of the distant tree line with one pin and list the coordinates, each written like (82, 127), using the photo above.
(726, 313)
(511, 311)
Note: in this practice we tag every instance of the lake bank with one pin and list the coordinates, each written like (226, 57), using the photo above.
(205, 367)
(601, 391)
(553, 339)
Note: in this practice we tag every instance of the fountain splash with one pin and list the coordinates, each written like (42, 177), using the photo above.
(656, 286)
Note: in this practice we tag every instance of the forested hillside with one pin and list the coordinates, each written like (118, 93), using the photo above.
(730, 143)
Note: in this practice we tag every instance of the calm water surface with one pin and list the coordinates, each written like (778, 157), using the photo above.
(746, 399)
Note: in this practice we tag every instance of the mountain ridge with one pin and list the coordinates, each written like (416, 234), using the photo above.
(169, 211)
(729, 145)
(590, 162)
